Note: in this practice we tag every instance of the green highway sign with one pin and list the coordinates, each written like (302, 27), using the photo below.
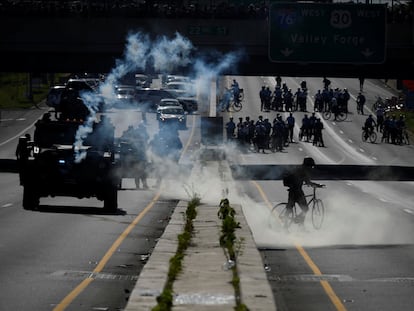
(327, 33)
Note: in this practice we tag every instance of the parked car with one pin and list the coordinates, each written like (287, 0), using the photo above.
(142, 80)
(125, 96)
(186, 89)
(89, 84)
(169, 102)
(176, 78)
(149, 98)
(173, 116)
(54, 95)
(76, 87)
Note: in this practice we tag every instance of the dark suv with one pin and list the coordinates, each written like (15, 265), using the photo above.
(74, 87)
(53, 96)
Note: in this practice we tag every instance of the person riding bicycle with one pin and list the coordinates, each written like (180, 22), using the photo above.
(236, 91)
(369, 125)
(294, 180)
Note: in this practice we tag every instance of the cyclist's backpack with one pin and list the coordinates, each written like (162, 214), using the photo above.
(288, 179)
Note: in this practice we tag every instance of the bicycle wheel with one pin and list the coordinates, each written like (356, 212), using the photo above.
(373, 137)
(282, 214)
(326, 115)
(237, 106)
(318, 213)
(342, 116)
(364, 136)
(241, 95)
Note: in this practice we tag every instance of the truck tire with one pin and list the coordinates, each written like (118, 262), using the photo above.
(30, 198)
(111, 199)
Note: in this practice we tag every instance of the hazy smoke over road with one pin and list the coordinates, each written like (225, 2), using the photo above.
(162, 55)
(361, 215)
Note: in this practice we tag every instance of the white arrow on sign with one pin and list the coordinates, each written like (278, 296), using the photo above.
(367, 52)
(286, 52)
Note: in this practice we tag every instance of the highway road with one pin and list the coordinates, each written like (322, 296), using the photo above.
(70, 255)
(361, 259)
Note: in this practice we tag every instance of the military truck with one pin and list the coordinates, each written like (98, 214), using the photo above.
(61, 162)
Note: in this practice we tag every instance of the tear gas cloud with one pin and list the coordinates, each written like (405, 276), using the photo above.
(351, 219)
(162, 55)
(355, 214)
(356, 217)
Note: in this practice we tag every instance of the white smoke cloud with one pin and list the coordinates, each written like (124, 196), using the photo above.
(352, 218)
(206, 70)
(162, 55)
(170, 54)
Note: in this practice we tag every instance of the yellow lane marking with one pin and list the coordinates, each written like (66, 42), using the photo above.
(325, 284)
(78, 289)
(73, 294)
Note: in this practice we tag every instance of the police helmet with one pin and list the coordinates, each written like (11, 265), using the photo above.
(308, 162)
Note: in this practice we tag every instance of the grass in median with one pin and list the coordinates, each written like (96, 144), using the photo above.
(165, 300)
(14, 89)
(232, 247)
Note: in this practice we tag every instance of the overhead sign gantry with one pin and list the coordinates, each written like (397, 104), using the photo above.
(327, 33)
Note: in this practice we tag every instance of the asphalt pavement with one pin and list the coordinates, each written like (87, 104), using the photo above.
(205, 280)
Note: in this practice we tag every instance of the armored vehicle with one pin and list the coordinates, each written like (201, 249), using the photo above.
(69, 157)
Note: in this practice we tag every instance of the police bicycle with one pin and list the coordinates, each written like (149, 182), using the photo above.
(233, 105)
(236, 103)
(368, 134)
(402, 137)
(288, 216)
(341, 114)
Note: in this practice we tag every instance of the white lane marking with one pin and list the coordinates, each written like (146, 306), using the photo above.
(341, 131)
(375, 158)
(362, 150)
(351, 141)
(350, 150)
(7, 205)
(21, 119)
(409, 211)
(19, 134)
(383, 200)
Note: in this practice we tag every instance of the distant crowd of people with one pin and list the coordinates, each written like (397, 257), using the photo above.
(261, 134)
(392, 128)
(283, 99)
(399, 11)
